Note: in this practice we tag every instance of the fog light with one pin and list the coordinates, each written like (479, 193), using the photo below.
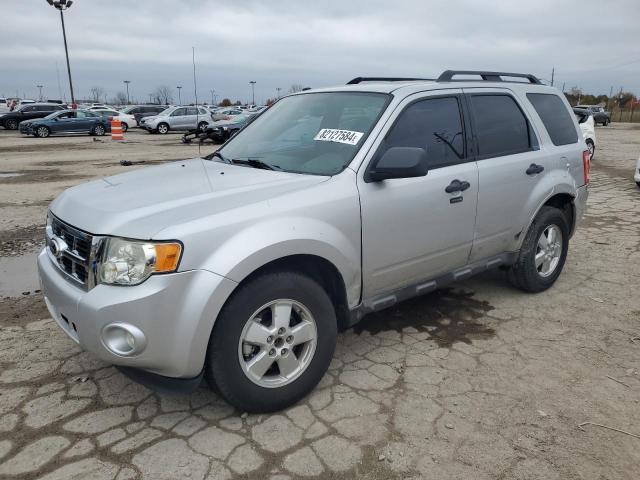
(123, 339)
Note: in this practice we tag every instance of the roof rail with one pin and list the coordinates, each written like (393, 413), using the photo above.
(447, 76)
(357, 80)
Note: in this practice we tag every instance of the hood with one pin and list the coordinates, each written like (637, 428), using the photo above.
(231, 121)
(142, 203)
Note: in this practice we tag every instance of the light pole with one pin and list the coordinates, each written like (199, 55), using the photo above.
(63, 5)
(127, 82)
(40, 87)
(278, 90)
(179, 87)
(253, 92)
(213, 96)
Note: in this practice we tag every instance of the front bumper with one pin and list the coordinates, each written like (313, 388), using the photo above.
(176, 313)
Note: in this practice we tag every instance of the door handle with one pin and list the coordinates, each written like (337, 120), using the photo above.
(534, 169)
(457, 186)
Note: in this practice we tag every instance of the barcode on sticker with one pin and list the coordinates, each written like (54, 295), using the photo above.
(340, 136)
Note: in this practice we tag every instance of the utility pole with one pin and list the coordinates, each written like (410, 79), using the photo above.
(64, 5)
(40, 96)
(253, 92)
(179, 87)
(553, 72)
(127, 82)
(278, 92)
(609, 97)
(213, 96)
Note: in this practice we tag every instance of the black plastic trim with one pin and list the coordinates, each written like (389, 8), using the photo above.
(358, 80)
(447, 76)
(160, 383)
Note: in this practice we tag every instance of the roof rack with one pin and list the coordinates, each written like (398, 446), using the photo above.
(357, 80)
(447, 76)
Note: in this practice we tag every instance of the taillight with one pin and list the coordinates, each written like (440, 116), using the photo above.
(586, 166)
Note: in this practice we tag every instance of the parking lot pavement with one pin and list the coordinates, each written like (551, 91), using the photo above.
(479, 381)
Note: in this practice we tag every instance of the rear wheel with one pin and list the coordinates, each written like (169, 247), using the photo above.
(11, 124)
(202, 126)
(125, 127)
(163, 128)
(43, 132)
(605, 123)
(543, 252)
(592, 148)
(272, 342)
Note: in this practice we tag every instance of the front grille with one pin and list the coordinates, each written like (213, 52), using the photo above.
(75, 260)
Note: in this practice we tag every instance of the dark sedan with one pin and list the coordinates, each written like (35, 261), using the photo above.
(67, 122)
(11, 120)
(599, 114)
(221, 130)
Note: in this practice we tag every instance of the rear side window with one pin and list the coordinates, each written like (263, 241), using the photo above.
(433, 124)
(555, 117)
(501, 127)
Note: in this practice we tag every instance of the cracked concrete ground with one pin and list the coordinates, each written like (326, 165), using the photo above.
(479, 381)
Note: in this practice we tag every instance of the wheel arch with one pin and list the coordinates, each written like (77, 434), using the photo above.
(560, 199)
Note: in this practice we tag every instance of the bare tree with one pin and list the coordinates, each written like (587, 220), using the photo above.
(295, 88)
(119, 99)
(225, 103)
(97, 93)
(162, 95)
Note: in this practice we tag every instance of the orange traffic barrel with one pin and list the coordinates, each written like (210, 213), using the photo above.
(116, 129)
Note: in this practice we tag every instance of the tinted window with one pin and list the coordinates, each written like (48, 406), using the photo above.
(501, 127)
(27, 109)
(178, 112)
(192, 111)
(432, 124)
(555, 117)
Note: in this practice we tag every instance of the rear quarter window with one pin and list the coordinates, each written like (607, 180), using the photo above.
(555, 117)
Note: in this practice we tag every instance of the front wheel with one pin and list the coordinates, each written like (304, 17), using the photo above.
(272, 342)
(43, 132)
(202, 126)
(543, 252)
(125, 127)
(163, 128)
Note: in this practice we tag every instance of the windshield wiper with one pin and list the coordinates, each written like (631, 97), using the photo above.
(255, 163)
(211, 156)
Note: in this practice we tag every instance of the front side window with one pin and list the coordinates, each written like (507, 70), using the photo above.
(433, 124)
(555, 117)
(313, 133)
(501, 127)
(178, 112)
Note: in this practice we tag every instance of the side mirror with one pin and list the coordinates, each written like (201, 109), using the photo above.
(399, 162)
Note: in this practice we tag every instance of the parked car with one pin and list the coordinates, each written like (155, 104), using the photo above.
(599, 114)
(177, 118)
(11, 120)
(636, 174)
(243, 265)
(587, 127)
(67, 122)
(128, 121)
(227, 113)
(142, 111)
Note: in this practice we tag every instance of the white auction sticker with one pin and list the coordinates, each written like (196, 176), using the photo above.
(340, 136)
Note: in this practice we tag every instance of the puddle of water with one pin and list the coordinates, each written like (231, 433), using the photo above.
(10, 174)
(18, 274)
(448, 315)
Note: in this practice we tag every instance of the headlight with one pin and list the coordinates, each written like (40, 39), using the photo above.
(130, 262)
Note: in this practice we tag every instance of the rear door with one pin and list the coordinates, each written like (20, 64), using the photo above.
(509, 167)
(412, 228)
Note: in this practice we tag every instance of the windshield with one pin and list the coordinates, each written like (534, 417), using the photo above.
(54, 114)
(314, 133)
(166, 111)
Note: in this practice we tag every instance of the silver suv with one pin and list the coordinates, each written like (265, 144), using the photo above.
(242, 266)
(177, 118)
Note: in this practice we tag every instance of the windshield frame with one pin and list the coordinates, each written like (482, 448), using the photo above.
(389, 98)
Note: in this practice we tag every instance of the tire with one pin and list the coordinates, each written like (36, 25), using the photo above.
(605, 123)
(202, 126)
(592, 148)
(125, 127)
(638, 184)
(11, 124)
(42, 132)
(525, 274)
(163, 128)
(228, 357)
(99, 130)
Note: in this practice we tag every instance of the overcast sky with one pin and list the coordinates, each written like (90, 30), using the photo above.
(593, 44)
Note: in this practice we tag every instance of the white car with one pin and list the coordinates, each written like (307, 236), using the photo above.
(636, 174)
(128, 121)
(588, 128)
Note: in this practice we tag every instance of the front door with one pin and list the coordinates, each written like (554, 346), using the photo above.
(413, 228)
(64, 122)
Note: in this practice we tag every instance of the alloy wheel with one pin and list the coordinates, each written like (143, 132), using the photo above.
(548, 250)
(277, 343)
